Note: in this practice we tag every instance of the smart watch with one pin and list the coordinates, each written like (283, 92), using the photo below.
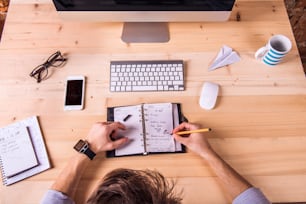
(82, 146)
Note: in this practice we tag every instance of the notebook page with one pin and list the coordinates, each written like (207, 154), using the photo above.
(16, 150)
(39, 146)
(159, 126)
(133, 130)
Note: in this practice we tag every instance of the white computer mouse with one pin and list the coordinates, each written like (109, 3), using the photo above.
(209, 95)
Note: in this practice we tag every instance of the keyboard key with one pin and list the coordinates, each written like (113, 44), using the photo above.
(144, 88)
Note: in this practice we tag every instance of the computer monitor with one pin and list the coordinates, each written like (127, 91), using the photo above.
(145, 20)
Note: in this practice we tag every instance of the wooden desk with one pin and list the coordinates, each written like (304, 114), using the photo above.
(258, 124)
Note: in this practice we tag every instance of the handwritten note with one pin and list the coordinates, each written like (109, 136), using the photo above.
(133, 130)
(159, 125)
(16, 151)
(148, 128)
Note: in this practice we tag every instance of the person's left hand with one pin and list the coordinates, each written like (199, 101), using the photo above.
(99, 137)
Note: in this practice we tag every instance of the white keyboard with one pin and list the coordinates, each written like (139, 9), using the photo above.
(133, 76)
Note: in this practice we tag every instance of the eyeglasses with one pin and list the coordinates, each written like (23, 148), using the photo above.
(41, 71)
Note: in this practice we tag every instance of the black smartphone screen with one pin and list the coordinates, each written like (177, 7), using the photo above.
(74, 92)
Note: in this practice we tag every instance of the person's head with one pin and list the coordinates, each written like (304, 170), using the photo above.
(127, 186)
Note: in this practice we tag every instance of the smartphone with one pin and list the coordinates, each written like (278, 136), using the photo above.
(74, 93)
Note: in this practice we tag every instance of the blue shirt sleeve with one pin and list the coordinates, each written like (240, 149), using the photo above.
(251, 195)
(56, 197)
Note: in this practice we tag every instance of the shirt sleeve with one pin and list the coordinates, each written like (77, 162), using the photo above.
(251, 195)
(56, 197)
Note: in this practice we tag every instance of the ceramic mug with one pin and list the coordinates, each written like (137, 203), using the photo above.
(275, 50)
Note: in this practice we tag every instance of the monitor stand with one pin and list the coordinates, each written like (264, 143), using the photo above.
(145, 32)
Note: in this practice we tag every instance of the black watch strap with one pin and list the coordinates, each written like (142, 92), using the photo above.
(90, 153)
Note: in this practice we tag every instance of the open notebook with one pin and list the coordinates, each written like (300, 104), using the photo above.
(148, 127)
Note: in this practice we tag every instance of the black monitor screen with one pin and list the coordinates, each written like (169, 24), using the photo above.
(144, 5)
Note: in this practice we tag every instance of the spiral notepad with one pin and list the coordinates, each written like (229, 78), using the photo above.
(148, 127)
(16, 151)
(22, 151)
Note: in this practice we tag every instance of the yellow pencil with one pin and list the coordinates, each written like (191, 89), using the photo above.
(193, 131)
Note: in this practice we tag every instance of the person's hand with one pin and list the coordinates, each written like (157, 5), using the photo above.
(101, 134)
(197, 142)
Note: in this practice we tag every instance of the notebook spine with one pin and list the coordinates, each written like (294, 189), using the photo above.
(4, 180)
(145, 152)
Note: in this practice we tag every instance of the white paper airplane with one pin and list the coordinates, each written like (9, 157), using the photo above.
(225, 57)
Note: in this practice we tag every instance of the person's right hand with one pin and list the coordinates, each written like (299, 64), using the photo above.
(197, 142)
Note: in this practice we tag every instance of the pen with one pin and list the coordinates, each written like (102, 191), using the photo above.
(193, 131)
(127, 117)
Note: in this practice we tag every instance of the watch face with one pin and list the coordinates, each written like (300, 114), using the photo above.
(79, 145)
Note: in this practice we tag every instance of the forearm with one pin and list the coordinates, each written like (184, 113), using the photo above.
(98, 140)
(234, 183)
(70, 176)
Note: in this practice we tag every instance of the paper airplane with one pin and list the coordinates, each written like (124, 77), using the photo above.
(225, 57)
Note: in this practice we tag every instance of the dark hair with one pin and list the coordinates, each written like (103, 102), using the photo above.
(127, 186)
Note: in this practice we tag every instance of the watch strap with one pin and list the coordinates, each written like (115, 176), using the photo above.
(90, 153)
(83, 147)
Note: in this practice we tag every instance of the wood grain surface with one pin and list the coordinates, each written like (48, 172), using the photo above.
(258, 124)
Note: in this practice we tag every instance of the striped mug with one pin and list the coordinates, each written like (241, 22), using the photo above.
(275, 50)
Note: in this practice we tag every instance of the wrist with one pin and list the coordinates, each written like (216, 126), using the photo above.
(83, 147)
(81, 158)
(207, 153)
(93, 146)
